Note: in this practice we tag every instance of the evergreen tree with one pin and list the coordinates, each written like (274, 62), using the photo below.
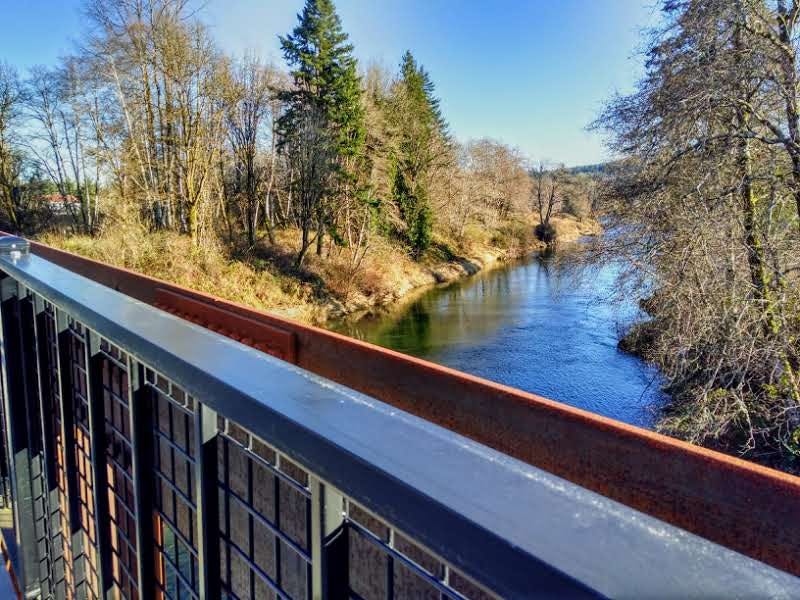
(323, 127)
(422, 146)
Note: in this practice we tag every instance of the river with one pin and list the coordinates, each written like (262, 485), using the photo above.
(539, 325)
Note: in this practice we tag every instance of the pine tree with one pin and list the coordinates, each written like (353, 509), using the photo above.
(422, 146)
(323, 127)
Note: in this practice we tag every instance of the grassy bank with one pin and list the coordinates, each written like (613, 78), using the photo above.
(327, 286)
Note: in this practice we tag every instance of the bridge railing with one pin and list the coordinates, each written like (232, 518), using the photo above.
(148, 456)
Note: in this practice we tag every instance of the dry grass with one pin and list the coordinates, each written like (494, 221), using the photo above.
(207, 268)
(385, 273)
(570, 228)
(266, 278)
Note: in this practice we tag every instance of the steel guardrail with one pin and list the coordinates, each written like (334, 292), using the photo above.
(515, 529)
(736, 503)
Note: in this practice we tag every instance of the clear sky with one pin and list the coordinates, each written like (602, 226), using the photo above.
(532, 73)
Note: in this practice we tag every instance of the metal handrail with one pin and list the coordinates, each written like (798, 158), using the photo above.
(733, 502)
(515, 529)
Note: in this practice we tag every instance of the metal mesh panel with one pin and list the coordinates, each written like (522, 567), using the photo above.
(36, 445)
(384, 564)
(85, 557)
(264, 516)
(175, 517)
(119, 471)
(57, 471)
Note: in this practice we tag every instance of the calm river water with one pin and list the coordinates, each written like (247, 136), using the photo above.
(534, 325)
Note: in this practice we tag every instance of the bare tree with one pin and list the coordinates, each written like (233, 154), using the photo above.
(776, 29)
(60, 139)
(310, 150)
(499, 177)
(546, 198)
(249, 117)
(705, 217)
(10, 159)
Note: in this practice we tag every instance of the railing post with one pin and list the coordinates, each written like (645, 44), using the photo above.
(329, 567)
(47, 465)
(17, 429)
(68, 435)
(207, 512)
(35, 436)
(141, 415)
(94, 369)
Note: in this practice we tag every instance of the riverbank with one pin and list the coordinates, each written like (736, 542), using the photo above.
(418, 278)
(411, 277)
(327, 287)
(541, 324)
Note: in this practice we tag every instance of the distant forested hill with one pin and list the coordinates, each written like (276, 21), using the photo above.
(599, 169)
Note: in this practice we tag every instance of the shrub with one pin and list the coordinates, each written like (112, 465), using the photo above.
(546, 233)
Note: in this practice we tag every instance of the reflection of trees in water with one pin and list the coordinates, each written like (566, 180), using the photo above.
(487, 288)
(564, 270)
(469, 310)
(573, 270)
(474, 309)
(412, 333)
(588, 279)
(528, 323)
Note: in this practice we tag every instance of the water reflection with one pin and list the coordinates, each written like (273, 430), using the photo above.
(539, 325)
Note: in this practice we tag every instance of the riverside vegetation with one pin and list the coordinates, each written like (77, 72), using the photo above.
(313, 191)
(328, 187)
(706, 211)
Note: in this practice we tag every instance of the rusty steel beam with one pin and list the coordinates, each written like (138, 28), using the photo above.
(741, 505)
(277, 341)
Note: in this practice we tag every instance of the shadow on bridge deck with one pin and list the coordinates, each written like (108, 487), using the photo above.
(8, 581)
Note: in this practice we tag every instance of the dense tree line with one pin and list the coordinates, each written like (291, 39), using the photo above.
(149, 120)
(707, 202)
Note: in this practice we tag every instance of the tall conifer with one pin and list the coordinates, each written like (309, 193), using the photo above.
(423, 145)
(323, 126)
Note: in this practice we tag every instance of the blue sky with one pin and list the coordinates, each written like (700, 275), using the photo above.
(532, 73)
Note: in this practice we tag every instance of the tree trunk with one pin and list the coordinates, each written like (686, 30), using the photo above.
(796, 182)
(304, 245)
(320, 234)
(755, 251)
(193, 225)
(757, 260)
(251, 219)
(788, 64)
